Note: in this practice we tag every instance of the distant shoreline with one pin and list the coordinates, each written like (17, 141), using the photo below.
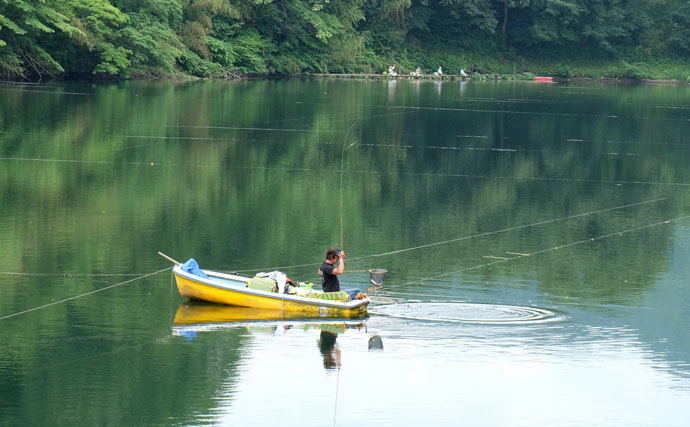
(484, 76)
(494, 76)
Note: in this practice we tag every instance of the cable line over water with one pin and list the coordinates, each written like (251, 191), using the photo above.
(447, 175)
(459, 239)
(488, 233)
(254, 128)
(69, 275)
(83, 295)
(556, 248)
(394, 252)
(571, 141)
(535, 113)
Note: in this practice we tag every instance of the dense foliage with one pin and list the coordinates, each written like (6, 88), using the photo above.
(135, 38)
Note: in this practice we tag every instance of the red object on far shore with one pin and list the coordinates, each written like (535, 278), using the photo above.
(543, 79)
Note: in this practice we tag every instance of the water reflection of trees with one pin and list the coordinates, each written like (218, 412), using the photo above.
(210, 160)
(100, 182)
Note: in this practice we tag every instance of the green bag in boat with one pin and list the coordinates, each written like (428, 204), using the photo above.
(335, 296)
(263, 284)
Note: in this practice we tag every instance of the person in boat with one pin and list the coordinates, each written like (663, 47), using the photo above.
(329, 273)
(391, 71)
(438, 72)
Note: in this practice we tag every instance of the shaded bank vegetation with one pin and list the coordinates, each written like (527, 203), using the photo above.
(216, 38)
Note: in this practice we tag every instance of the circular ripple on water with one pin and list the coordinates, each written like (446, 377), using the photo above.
(463, 312)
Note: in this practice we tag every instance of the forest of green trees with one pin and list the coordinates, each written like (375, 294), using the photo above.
(213, 38)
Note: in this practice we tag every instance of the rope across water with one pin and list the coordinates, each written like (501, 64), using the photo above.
(520, 256)
(459, 239)
(84, 294)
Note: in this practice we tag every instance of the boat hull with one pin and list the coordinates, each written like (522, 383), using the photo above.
(231, 290)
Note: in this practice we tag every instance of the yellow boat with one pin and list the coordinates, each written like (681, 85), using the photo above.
(232, 289)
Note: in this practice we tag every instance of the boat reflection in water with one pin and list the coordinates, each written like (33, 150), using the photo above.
(197, 316)
(193, 317)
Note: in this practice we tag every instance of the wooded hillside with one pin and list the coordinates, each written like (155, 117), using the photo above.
(140, 38)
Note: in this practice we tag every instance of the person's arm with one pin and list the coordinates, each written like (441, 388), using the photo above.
(341, 266)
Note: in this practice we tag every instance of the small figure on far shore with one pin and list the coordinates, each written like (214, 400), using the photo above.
(391, 71)
(463, 73)
(438, 72)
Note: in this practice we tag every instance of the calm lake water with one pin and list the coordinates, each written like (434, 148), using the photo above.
(536, 237)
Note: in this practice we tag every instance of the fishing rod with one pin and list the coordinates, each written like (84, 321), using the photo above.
(342, 160)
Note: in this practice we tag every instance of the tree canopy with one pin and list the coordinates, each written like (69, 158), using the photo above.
(138, 38)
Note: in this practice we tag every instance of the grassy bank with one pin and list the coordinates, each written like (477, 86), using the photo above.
(499, 63)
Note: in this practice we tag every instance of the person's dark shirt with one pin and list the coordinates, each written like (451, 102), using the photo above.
(330, 281)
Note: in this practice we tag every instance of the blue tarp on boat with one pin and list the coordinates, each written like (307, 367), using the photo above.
(192, 267)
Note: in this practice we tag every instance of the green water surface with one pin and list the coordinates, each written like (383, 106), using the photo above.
(570, 198)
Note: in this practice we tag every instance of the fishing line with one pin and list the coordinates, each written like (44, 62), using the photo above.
(356, 119)
(253, 128)
(194, 138)
(670, 107)
(441, 298)
(407, 134)
(176, 138)
(573, 139)
(373, 116)
(454, 175)
(447, 175)
(526, 178)
(488, 233)
(645, 143)
(536, 113)
(341, 114)
(84, 294)
(473, 136)
(556, 101)
(129, 147)
(594, 181)
(399, 146)
(100, 162)
(509, 150)
(70, 275)
(473, 110)
(342, 160)
(502, 150)
(512, 228)
(24, 83)
(313, 116)
(520, 256)
(337, 386)
(52, 92)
